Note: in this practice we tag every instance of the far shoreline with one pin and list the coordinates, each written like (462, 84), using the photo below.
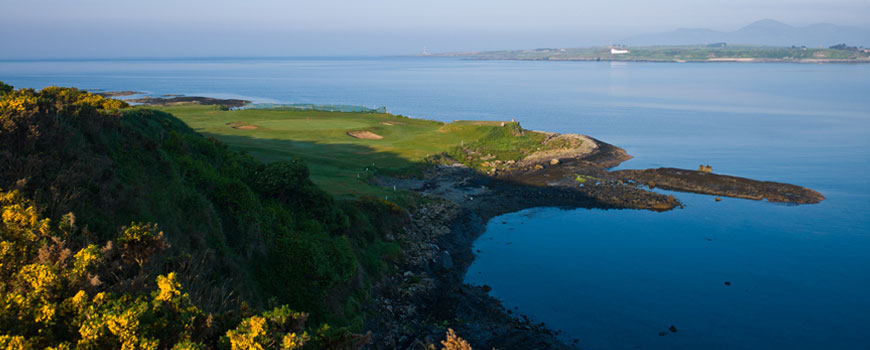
(702, 53)
(736, 60)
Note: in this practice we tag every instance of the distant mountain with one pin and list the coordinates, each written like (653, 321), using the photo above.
(763, 32)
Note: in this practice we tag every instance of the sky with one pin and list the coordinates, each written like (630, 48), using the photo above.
(201, 28)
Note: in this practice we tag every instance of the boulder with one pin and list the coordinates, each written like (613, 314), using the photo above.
(445, 262)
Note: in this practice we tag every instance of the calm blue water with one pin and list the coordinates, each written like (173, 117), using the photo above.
(800, 275)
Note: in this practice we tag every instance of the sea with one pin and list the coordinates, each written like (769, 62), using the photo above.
(735, 274)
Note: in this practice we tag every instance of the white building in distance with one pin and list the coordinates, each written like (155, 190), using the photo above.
(615, 51)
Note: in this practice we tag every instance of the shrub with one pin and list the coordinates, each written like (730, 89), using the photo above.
(454, 342)
(5, 88)
(280, 328)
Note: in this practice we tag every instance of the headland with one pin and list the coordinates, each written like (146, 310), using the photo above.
(452, 178)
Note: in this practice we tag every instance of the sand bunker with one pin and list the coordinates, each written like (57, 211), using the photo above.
(241, 126)
(368, 135)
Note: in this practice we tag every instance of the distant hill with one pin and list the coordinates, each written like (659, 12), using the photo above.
(763, 32)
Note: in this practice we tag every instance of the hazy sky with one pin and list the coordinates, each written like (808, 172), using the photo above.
(120, 28)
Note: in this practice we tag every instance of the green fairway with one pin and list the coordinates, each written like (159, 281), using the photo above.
(338, 161)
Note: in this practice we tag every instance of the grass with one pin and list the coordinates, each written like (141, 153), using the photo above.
(342, 164)
(510, 142)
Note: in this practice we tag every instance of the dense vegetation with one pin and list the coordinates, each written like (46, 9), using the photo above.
(125, 228)
(58, 297)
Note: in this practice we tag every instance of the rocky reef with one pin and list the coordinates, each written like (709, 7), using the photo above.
(415, 306)
(706, 182)
(586, 170)
(176, 100)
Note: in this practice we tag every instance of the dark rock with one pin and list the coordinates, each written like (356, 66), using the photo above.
(722, 185)
(159, 101)
(445, 262)
(116, 93)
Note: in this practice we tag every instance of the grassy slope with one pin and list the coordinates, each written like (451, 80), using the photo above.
(334, 158)
(236, 227)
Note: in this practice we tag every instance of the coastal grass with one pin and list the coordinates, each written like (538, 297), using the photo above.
(340, 163)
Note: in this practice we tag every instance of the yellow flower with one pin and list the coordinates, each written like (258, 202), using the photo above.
(86, 259)
(40, 277)
(294, 341)
(169, 287)
(14, 343)
(245, 337)
(46, 313)
(17, 103)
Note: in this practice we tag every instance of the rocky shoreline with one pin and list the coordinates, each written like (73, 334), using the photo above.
(705, 182)
(175, 100)
(415, 308)
(430, 295)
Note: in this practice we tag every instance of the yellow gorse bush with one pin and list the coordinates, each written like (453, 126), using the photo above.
(21, 230)
(86, 260)
(39, 297)
(14, 343)
(27, 99)
(17, 102)
(169, 288)
(41, 306)
(40, 277)
(279, 328)
(83, 98)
